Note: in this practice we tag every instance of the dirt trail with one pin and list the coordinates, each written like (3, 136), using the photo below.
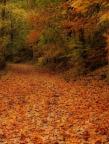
(41, 108)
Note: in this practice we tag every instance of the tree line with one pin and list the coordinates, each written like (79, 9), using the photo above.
(62, 35)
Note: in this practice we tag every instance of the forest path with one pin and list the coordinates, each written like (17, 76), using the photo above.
(39, 107)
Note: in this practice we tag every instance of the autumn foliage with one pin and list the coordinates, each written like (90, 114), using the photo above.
(54, 71)
(60, 34)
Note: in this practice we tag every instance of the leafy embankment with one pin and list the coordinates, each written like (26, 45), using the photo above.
(41, 108)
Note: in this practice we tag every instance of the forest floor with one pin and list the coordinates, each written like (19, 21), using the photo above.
(38, 107)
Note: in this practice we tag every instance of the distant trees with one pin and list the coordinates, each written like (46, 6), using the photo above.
(70, 30)
(59, 34)
(13, 27)
(84, 25)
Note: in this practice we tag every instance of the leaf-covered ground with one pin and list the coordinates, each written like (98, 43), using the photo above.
(41, 108)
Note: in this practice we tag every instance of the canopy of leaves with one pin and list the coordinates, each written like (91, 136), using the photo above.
(72, 31)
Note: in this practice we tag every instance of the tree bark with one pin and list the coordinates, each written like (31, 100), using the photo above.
(3, 16)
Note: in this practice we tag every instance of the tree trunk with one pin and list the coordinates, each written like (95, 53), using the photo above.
(2, 31)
